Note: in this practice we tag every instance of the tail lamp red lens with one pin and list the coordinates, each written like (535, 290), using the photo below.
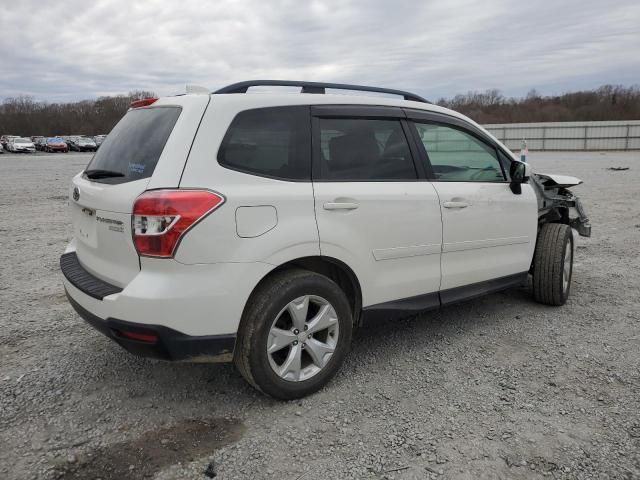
(144, 102)
(162, 217)
(139, 337)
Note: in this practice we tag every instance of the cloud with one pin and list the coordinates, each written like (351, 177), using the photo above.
(74, 49)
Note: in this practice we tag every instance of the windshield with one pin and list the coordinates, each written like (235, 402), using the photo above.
(22, 140)
(55, 140)
(134, 145)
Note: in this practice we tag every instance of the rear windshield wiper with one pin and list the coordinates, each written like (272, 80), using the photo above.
(99, 173)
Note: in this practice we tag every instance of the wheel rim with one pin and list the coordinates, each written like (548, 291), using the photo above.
(303, 338)
(566, 269)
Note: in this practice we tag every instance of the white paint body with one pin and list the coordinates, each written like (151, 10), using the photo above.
(399, 240)
(561, 180)
(391, 240)
(488, 233)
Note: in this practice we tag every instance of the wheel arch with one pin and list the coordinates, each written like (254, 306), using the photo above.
(555, 214)
(330, 267)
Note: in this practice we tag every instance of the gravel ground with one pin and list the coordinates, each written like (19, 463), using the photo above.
(498, 387)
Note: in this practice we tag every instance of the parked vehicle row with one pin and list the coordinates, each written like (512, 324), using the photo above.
(77, 143)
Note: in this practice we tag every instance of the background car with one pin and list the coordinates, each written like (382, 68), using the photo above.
(70, 140)
(55, 144)
(99, 139)
(21, 144)
(39, 142)
(4, 139)
(83, 144)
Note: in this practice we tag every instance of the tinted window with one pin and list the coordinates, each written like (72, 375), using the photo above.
(457, 156)
(134, 145)
(364, 150)
(273, 142)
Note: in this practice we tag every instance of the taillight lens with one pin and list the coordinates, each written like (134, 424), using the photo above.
(144, 102)
(161, 217)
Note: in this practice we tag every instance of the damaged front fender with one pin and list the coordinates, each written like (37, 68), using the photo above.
(556, 203)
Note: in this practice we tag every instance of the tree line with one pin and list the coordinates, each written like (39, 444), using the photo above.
(25, 116)
(608, 102)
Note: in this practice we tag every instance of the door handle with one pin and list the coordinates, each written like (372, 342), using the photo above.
(340, 206)
(455, 204)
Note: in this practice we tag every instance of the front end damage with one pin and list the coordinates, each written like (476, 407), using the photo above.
(557, 204)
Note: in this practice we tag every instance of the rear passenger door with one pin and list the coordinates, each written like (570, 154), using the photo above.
(375, 211)
(489, 232)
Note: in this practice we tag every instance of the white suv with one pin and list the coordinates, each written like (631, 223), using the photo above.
(262, 228)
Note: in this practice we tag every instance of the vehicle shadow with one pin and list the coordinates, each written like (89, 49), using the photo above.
(473, 322)
(467, 315)
(374, 342)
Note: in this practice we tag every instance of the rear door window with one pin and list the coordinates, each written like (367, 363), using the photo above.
(270, 142)
(358, 149)
(135, 144)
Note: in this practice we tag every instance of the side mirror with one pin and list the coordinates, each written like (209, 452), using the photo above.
(519, 173)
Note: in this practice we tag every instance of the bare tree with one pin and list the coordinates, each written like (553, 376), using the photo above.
(609, 102)
(24, 116)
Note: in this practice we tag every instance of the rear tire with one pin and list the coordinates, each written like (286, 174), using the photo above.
(553, 264)
(269, 353)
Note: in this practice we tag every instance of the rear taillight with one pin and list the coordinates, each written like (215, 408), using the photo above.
(161, 217)
(145, 102)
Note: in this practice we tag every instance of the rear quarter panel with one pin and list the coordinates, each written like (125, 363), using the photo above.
(174, 156)
(216, 238)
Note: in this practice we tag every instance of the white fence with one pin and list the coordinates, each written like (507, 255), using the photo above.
(615, 135)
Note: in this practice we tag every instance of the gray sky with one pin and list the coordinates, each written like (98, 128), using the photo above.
(74, 49)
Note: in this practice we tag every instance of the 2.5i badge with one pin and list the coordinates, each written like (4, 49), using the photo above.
(114, 225)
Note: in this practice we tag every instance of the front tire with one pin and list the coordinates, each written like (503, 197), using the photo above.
(294, 335)
(553, 264)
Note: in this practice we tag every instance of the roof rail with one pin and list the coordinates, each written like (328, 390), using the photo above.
(315, 87)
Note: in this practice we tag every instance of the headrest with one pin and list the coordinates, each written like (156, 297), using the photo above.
(353, 149)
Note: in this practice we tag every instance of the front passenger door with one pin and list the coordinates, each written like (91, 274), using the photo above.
(489, 232)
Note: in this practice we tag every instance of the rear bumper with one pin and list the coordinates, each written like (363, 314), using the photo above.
(161, 342)
(193, 310)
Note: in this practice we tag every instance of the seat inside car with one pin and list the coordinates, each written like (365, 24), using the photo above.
(350, 152)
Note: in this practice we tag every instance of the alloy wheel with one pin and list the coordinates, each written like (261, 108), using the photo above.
(303, 338)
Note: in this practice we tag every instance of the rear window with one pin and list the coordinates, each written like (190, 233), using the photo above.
(134, 145)
(270, 142)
